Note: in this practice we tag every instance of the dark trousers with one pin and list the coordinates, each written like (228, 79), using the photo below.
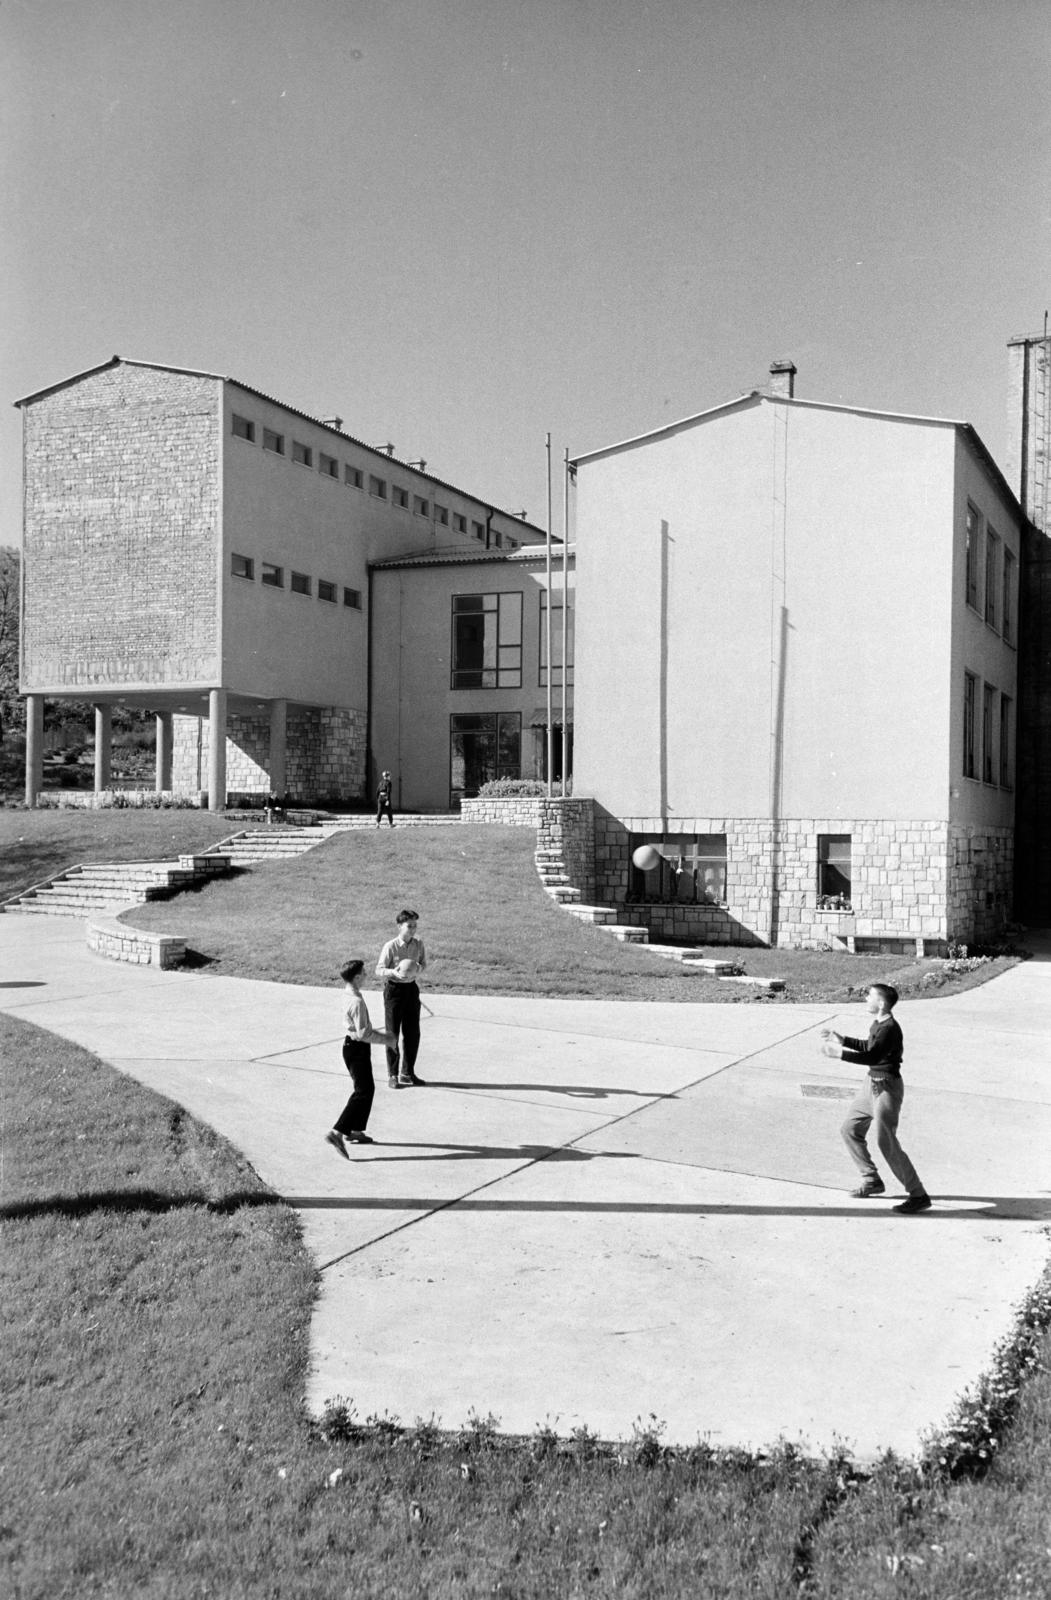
(357, 1058)
(383, 809)
(401, 1011)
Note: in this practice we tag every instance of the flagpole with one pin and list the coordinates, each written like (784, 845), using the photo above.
(550, 701)
(565, 622)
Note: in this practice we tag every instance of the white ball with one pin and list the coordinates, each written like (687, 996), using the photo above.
(408, 968)
(646, 858)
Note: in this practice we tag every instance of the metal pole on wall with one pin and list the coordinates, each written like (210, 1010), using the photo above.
(547, 636)
(565, 621)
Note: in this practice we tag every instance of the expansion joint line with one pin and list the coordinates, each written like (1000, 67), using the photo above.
(535, 1161)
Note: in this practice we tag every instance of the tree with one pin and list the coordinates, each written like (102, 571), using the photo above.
(11, 706)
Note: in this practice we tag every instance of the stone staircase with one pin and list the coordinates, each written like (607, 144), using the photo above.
(279, 841)
(555, 879)
(80, 890)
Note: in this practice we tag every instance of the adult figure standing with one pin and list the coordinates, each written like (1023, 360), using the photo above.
(401, 959)
(384, 806)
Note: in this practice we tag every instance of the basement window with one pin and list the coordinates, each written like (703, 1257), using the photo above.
(833, 872)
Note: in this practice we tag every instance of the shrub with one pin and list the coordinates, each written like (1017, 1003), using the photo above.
(507, 788)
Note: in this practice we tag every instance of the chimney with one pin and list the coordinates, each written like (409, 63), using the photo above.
(332, 422)
(1029, 425)
(783, 379)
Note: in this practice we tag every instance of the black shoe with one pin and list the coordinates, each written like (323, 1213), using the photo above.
(915, 1202)
(360, 1138)
(392, 1082)
(868, 1191)
(336, 1141)
(409, 1080)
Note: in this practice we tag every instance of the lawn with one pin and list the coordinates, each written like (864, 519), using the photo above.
(36, 844)
(156, 1302)
(487, 925)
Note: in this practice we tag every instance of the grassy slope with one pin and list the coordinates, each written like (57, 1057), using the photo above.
(36, 844)
(156, 1301)
(486, 922)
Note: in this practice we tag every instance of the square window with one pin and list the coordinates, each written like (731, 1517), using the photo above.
(326, 590)
(421, 506)
(377, 487)
(833, 872)
(242, 566)
(300, 583)
(441, 515)
(328, 465)
(352, 477)
(273, 577)
(459, 522)
(478, 530)
(243, 428)
(400, 496)
(273, 441)
(302, 453)
(352, 598)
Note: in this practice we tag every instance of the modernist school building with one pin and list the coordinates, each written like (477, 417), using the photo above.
(195, 548)
(817, 678)
(806, 652)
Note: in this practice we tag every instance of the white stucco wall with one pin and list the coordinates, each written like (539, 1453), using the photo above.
(850, 521)
(412, 698)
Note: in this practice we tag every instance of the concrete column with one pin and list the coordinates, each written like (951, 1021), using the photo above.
(216, 749)
(103, 746)
(164, 751)
(278, 731)
(34, 747)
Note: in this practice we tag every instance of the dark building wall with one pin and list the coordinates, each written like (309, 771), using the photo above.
(122, 512)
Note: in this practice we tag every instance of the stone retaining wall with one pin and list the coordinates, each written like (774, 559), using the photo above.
(109, 937)
(566, 825)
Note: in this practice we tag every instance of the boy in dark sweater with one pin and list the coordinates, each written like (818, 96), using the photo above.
(879, 1102)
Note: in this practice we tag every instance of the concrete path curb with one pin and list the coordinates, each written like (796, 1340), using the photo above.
(596, 1213)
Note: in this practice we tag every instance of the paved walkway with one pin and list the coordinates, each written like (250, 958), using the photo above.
(598, 1212)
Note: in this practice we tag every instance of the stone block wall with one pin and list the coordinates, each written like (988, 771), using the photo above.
(911, 883)
(566, 825)
(121, 531)
(324, 753)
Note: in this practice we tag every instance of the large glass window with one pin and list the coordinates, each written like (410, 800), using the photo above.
(970, 698)
(1008, 597)
(1006, 765)
(556, 641)
(691, 869)
(833, 872)
(992, 578)
(487, 641)
(988, 715)
(974, 529)
(483, 745)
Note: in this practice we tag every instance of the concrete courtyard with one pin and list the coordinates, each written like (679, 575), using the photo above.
(597, 1212)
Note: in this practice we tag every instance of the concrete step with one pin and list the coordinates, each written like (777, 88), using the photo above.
(563, 893)
(29, 907)
(626, 933)
(596, 914)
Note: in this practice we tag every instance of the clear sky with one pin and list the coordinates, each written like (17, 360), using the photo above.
(460, 224)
